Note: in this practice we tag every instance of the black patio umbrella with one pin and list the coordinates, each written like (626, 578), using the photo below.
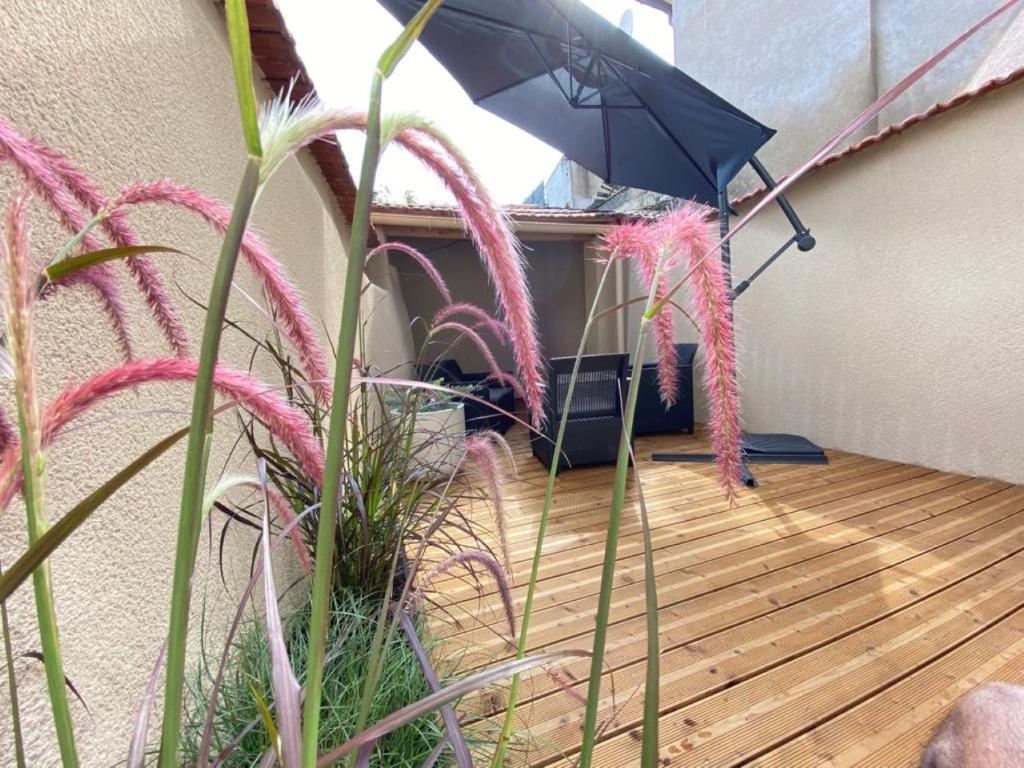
(561, 72)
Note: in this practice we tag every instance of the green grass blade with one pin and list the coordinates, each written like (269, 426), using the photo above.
(65, 267)
(549, 495)
(652, 679)
(33, 462)
(604, 600)
(344, 355)
(12, 686)
(37, 553)
(397, 50)
(268, 722)
(241, 60)
(337, 430)
(434, 701)
(195, 465)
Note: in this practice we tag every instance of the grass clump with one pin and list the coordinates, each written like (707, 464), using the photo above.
(247, 685)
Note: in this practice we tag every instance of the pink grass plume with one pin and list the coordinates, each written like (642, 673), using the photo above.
(469, 558)
(35, 169)
(18, 312)
(483, 320)
(286, 128)
(283, 297)
(482, 456)
(286, 423)
(498, 248)
(688, 234)
(116, 226)
(641, 244)
(478, 341)
(425, 264)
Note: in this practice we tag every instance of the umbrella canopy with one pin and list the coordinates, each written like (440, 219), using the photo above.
(561, 72)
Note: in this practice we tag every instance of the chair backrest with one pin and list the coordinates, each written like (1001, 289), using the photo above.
(598, 385)
(685, 354)
(684, 357)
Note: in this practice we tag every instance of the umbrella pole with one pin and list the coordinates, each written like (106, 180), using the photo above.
(766, 448)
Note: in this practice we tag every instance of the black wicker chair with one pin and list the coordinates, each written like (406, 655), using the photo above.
(595, 412)
(478, 415)
(651, 415)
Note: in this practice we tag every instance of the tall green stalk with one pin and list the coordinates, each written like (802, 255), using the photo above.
(42, 583)
(33, 461)
(524, 625)
(337, 430)
(611, 543)
(652, 679)
(199, 439)
(344, 355)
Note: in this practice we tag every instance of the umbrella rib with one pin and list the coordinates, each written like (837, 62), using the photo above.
(660, 123)
(544, 61)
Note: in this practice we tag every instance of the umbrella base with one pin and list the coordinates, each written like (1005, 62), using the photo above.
(769, 448)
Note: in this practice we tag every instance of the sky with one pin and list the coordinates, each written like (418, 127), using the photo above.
(339, 42)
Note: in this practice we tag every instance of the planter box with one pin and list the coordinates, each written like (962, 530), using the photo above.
(438, 437)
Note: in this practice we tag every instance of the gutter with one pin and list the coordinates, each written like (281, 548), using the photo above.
(446, 225)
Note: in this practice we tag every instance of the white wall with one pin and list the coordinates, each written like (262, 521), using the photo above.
(902, 334)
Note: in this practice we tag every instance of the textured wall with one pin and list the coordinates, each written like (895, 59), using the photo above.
(900, 335)
(136, 90)
(808, 68)
(555, 275)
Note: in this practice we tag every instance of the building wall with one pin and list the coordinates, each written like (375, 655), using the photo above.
(900, 335)
(556, 278)
(137, 90)
(807, 69)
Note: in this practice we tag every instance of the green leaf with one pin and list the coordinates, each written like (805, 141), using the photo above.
(63, 268)
(268, 720)
(241, 60)
(69, 523)
(397, 50)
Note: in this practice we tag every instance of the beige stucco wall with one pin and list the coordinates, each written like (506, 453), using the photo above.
(902, 334)
(136, 90)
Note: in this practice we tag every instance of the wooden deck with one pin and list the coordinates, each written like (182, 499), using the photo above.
(829, 618)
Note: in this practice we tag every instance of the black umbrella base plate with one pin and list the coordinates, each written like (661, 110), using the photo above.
(769, 448)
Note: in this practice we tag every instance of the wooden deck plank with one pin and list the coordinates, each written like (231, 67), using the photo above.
(679, 525)
(828, 618)
(892, 728)
(693, 575)
(700, 668)
(733, 726)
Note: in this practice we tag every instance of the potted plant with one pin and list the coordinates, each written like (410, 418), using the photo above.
(436, 429)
